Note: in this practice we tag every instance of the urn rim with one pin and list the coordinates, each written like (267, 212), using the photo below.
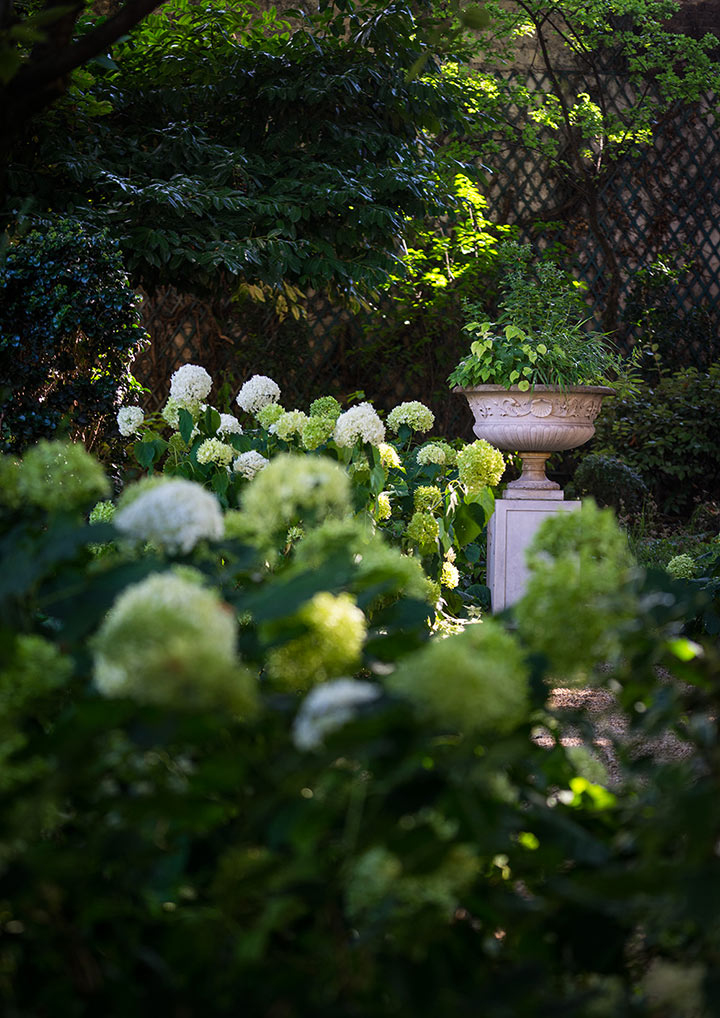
(604, 390)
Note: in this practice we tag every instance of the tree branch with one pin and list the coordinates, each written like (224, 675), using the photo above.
(37, 77)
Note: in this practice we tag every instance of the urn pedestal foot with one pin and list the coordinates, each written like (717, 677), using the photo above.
(533, 481)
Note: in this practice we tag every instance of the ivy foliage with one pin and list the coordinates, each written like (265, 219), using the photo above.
(69, 328)
(222, 144)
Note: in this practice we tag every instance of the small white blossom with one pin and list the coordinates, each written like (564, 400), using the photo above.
(327, 707)
(190, 383)
(359, 421)
(174, 514)
(129, 419)
(256, 393)
(249, 463)
(229, 425)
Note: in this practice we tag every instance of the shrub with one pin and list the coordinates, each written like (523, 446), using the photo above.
(611, 483)
(669, 433)
(174, 841)
(69, 329)
(430, 499)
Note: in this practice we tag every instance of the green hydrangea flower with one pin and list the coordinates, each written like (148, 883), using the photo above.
(289, 424)
(269, 415)
(449, 575)
(102, 512)
(577, 593)
(177, 444)
(427, 497)
(292, 488)
(479, 465)
(682, 567)
(60, 475)
(423, 530)
(236, 526)
(326, 406)
(170, 640)
(35, 668)
(416, 415)
(212, 450)
(383, 509)
(170, 413)
(476, 681)
(316, 431)
(331, 646)
(389, 456)
(377, 563)
(436, 452)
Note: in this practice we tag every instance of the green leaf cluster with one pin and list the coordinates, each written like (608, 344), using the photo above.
(540, 337)
(234, 146)
(70, 326)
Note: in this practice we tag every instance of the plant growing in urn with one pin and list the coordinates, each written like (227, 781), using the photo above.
(535, 378)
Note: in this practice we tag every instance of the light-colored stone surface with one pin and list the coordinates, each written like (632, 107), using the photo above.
(535, 423)
(511, 529)
(544, 419)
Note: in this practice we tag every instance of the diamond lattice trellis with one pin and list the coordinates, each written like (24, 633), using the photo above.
(662, 200)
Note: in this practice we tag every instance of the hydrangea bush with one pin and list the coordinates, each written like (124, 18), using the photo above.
(389, 465)
(233, 771)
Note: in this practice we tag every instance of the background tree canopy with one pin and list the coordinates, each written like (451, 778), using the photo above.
(223, 143)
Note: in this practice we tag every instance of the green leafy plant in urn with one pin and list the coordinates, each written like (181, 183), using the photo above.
(535, 378)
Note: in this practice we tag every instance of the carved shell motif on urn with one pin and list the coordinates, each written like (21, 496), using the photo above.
(535, 423)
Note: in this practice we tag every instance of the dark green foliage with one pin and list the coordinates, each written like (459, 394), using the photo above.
(672, 336)
(69, 328)
(237, 150)
(670, 434)
(611, 483)
(168, 862)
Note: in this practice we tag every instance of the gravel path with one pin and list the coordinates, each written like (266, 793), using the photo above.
(611, 725)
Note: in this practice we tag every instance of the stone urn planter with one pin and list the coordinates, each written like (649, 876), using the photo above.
(535, 423)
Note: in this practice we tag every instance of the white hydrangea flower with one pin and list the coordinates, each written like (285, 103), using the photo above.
(174, 514)
(190, 383)
(327, 707)
(415, 414)
(212, 450)
(249, 463)
(129, 419)
(229, 425)
(359, 421)
(256, 393)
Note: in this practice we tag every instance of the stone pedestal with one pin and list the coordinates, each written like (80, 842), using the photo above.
(511, 528)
